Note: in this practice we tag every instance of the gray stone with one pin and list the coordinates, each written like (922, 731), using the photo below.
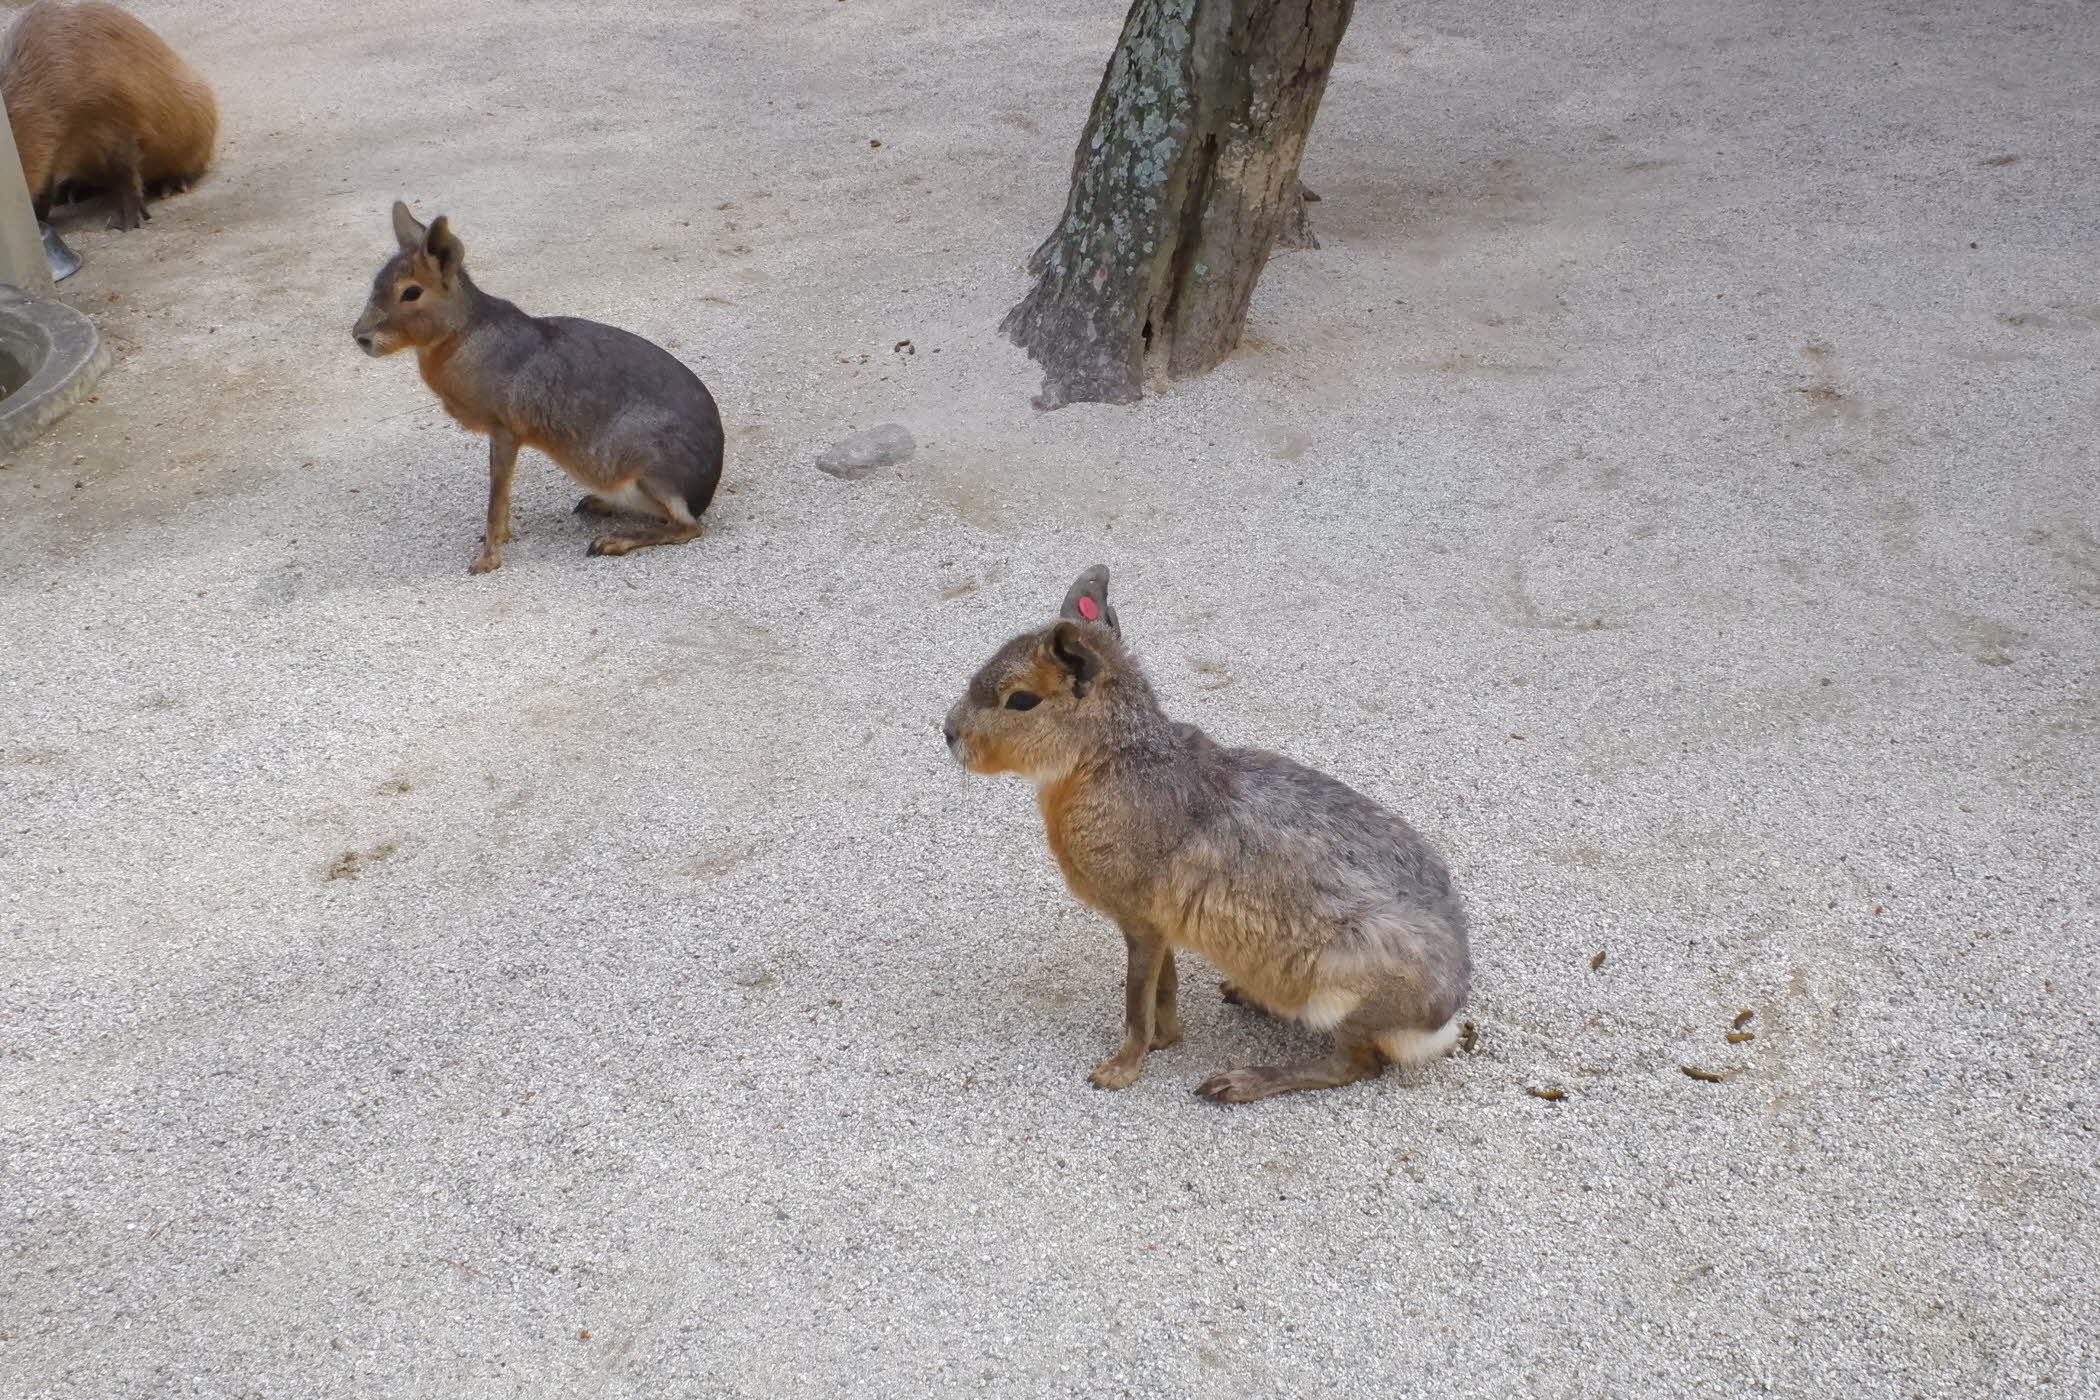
(882, 446)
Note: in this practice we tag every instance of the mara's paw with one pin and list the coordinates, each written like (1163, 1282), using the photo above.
(610, 545)
(1115, 1072)
(485, 562)
(594, 505)
(1231, 995)
(1242, 1085)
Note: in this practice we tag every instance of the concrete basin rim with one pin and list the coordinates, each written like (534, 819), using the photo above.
(65, 356)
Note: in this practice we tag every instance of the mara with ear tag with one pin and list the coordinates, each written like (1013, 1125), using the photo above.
(1318, 904)
(634, 427)
(1087, 599)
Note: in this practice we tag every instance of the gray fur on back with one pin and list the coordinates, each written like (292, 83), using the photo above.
(594, 390)
(1343, 879)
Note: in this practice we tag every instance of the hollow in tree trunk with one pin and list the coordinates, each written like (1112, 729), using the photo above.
(1185, 177)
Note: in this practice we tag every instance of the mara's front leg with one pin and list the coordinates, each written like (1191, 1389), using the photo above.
(1148, 955)
(1166, 1016)
(503, 459)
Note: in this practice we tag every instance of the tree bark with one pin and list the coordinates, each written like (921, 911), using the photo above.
(1185, 176)
(1297, 231)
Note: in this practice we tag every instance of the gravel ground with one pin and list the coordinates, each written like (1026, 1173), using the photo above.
(1671, 486)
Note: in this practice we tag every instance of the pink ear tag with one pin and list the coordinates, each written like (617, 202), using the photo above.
(1089, 609)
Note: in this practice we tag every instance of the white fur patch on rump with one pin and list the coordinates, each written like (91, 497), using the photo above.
(1413, 1047)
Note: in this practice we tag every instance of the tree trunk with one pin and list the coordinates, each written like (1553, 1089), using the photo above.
(1186, 174)
(1297, 231)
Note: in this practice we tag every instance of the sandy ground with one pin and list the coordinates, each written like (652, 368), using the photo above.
(1671, 486)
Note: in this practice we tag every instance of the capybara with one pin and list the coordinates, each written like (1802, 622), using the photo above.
(99, 101)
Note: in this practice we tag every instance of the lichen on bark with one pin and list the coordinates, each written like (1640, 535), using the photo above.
(1184, 177)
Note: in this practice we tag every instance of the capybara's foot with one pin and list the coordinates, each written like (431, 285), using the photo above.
(130, 213)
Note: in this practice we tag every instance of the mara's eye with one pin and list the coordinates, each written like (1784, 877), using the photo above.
(1023, 700)
(411, 292)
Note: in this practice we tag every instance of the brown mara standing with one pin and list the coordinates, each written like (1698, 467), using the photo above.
(1318, 904)
(98, 99)
(619, 414)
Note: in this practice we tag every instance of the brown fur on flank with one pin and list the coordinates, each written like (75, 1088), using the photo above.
(98, 99)
(1318, 904)
(620, 415)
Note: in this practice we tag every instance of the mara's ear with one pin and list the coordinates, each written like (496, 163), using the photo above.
(444, 249)
(1087, 600)
(407, 231)
(1069, 648)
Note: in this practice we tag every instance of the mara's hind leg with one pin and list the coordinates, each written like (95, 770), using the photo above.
(1356, 1056)
(1383, 1029)
(678, 524)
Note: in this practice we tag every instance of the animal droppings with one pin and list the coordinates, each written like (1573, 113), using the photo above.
(1710, 1076)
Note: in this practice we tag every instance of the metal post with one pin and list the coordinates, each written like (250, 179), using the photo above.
(22, 258)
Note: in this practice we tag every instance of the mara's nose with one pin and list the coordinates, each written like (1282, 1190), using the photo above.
(948, 733)
(364, 342)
